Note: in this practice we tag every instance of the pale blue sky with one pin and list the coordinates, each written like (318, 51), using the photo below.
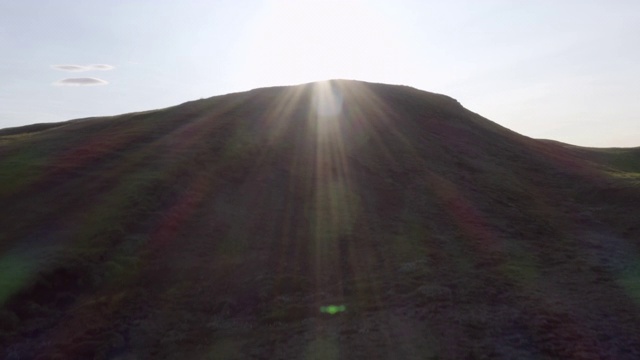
(567, 70)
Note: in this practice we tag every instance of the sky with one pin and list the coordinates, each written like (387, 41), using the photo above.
(564, 70)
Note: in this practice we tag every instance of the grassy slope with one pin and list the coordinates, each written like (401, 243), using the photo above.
(219, 229)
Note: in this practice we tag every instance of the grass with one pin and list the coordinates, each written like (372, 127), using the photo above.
(15, 273)
(216, 229)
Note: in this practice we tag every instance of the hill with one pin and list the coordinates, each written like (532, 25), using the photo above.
(329, 220)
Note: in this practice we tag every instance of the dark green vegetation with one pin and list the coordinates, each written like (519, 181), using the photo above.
(255, 225)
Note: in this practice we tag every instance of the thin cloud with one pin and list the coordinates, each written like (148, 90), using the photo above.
(79, 68)
(102, 67)
(87, 81)
(72, 68)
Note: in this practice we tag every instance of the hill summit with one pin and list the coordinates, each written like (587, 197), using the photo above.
(330, 220)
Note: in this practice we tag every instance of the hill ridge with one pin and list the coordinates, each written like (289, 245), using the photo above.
(228, 226)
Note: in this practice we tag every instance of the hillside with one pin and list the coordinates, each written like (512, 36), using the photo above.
(334, 220)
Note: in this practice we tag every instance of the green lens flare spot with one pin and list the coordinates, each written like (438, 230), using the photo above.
(332, 309)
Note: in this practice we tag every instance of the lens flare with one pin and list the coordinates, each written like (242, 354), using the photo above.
(327, 100)
(332, 309)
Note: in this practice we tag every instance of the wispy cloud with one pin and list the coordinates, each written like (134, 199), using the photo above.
(79, 68)
(86, 81)
(72, 68)
(103, 67)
